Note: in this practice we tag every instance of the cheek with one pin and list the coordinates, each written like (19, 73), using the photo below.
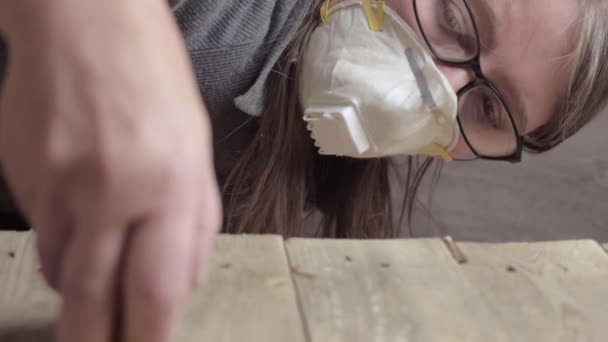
(462, 151)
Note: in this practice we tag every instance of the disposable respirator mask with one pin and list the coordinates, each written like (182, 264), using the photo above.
(369, 89)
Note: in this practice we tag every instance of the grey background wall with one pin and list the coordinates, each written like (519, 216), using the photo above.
(562, 194)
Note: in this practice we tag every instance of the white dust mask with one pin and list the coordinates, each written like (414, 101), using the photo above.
(369, 89)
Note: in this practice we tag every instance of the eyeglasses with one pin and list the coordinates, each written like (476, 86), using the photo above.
(486, 123)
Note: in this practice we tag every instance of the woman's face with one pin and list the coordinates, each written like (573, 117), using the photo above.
(524, 51)
(525, 48)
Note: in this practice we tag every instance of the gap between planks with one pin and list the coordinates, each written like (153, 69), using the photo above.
(298, 297)
(447, 243)
(249, 282)
(366, 291)
(387, 290)
(477, 269)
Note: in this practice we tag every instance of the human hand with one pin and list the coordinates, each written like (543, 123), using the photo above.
(106, 145)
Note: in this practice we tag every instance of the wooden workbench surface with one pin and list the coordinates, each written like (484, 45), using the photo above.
(261, 288)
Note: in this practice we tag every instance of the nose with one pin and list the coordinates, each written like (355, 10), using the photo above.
(457, 76)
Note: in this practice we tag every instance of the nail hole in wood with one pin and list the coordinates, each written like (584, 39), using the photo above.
(11, 254)
(511, 269)
(225, 266)
(348, 259)
(385, 265)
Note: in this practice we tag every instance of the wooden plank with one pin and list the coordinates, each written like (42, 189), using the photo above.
(249, 295)
(359, 291)
(409, 290)
(543, 291)
(27, 306)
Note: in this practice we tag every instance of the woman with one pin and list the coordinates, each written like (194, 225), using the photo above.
(116, 195)
(547, 74)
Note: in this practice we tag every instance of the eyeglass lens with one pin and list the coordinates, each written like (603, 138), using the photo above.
(449, 29)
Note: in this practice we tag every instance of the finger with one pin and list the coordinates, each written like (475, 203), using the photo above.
(158, 276)
(53, 229)
(51, 241)
(88, 284)
(210, 220)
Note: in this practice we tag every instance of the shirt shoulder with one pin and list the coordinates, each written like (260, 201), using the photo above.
(234, 45)
(214, 24)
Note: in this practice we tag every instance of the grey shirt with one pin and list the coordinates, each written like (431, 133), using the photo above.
(234, 45)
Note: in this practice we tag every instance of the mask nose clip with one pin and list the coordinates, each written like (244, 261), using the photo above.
(417, 64)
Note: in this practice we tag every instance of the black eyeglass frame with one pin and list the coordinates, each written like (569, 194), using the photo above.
(474, 63)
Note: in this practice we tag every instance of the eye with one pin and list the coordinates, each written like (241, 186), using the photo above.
(455, 24)
(493, 115)
(452, 19)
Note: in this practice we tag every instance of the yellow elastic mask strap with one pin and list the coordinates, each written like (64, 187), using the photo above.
(325, 9)
(436, 149)
(375, 18)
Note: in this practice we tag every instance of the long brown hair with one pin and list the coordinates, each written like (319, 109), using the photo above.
(587, 93)
(280, 178)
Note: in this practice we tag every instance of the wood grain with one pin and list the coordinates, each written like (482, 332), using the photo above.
(27, 307)
(399, 290)
(543, 291)
(249, 295)
(387, 291)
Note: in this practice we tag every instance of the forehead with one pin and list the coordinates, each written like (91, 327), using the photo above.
(531, 60)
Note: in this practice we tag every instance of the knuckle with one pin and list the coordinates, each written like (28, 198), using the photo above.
(167, 170)
(145, 158)
(160, 295)
(159, 158)
(95, 161)
(55, 160)
(58, 150)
